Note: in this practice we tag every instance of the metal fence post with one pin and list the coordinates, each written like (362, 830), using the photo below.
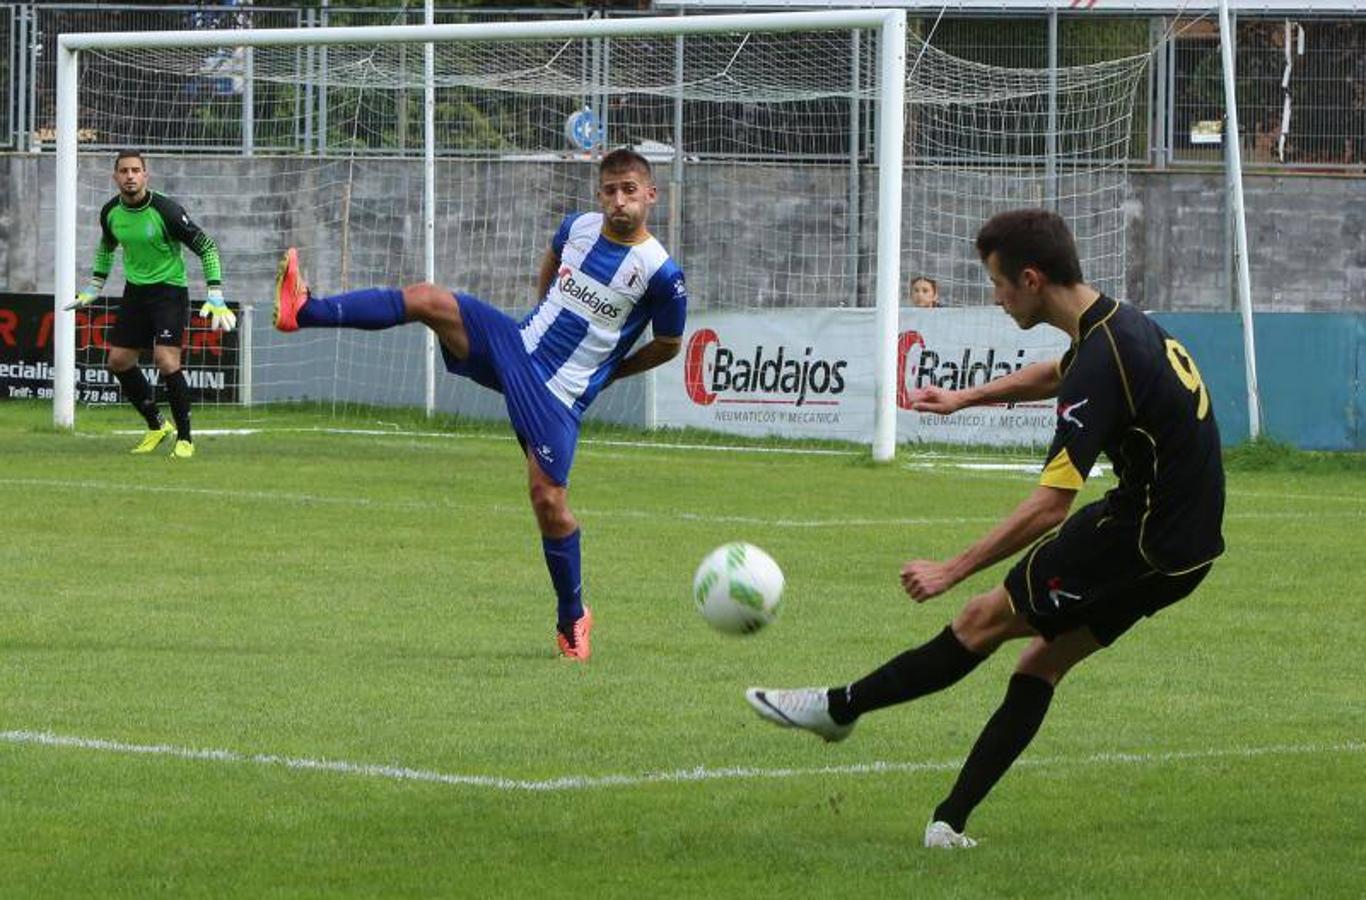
(855, 147)
(14, 57)
(24, 58)
(1159, 88)
(309, 22)
(322, 84)
(1230, 211)
(1051, 138)
(244, 355)
(248, 101)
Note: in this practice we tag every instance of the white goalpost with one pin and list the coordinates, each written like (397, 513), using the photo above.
(809, 163)
(272, 52)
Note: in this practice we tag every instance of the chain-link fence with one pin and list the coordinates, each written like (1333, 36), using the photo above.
(9, 90)
(227, 108)
(1301, 83)
(200, 111)
(1026, 45)
(1301, 92)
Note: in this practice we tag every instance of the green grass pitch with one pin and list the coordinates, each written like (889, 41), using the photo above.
(349, 601)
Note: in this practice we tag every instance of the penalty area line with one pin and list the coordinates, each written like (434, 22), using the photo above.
(678, 776)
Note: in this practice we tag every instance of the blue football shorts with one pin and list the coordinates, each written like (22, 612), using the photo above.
(497, 360)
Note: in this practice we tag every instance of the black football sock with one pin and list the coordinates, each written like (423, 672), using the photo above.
(138, 392)
(933, 666)
(178, 393)
(1004, 738)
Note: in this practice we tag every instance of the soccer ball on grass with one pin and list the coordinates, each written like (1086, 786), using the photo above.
(738, 588)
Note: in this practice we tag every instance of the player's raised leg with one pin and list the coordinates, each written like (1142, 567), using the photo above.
(368, 309)
(984, 623)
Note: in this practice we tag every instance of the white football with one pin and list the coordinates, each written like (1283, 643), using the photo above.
(738, 588)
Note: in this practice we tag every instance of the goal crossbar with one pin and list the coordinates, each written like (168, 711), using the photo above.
(836, 20)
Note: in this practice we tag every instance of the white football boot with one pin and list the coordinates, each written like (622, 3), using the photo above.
(806, 708)
(940, 835)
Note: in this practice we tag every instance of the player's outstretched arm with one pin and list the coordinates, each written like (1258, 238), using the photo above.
(656, 353)
(1035, 381)
(1039, 513)
(104, 264)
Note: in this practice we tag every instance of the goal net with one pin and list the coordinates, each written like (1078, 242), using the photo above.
(982, 139)
(764, 142)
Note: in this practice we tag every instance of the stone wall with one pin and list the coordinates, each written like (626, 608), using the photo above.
(1307, 233)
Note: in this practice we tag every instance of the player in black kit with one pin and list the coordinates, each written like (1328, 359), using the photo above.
(1125, 388)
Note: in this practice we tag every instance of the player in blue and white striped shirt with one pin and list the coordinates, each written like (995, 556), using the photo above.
(603, 279)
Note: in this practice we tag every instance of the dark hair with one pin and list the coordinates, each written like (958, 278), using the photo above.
(1031, 237)
(129, 154)
(624, 159)
(928, 280)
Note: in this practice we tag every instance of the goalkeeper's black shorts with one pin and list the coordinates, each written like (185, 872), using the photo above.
(1090, 573)
(150, 315)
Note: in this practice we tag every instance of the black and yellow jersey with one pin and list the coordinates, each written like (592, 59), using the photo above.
(1132, 391)
(151, 234)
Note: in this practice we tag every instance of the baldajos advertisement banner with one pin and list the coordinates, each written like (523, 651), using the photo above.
(958, 348)
(809, 373)
(795, 373)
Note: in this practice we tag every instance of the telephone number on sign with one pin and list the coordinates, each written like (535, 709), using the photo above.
(28, 392)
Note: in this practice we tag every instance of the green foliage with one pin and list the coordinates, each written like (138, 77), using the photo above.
(1085, 40)
(1082, 40)
(1267, 454)
(1024, 44)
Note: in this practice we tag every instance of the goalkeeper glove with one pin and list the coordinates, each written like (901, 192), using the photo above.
(88, 294)
(216, 311)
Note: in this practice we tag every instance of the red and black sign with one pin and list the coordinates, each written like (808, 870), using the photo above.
(209, 358)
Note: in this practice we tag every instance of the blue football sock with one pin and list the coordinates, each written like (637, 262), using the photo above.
(371, 309)
(562, 559)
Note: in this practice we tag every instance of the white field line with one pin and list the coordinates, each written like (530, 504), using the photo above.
(448, 435)
(919, 459)
(1028, 469)
(295, 499)
(677, 776)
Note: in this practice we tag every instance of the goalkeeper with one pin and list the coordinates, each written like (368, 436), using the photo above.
(151, 227)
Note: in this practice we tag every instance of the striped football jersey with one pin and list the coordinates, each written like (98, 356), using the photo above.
(598, 304)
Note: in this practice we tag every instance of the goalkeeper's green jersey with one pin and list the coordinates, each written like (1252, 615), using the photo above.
(151, 235)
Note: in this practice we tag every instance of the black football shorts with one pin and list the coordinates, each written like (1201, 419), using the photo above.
(1090, 573)
(150, 314)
